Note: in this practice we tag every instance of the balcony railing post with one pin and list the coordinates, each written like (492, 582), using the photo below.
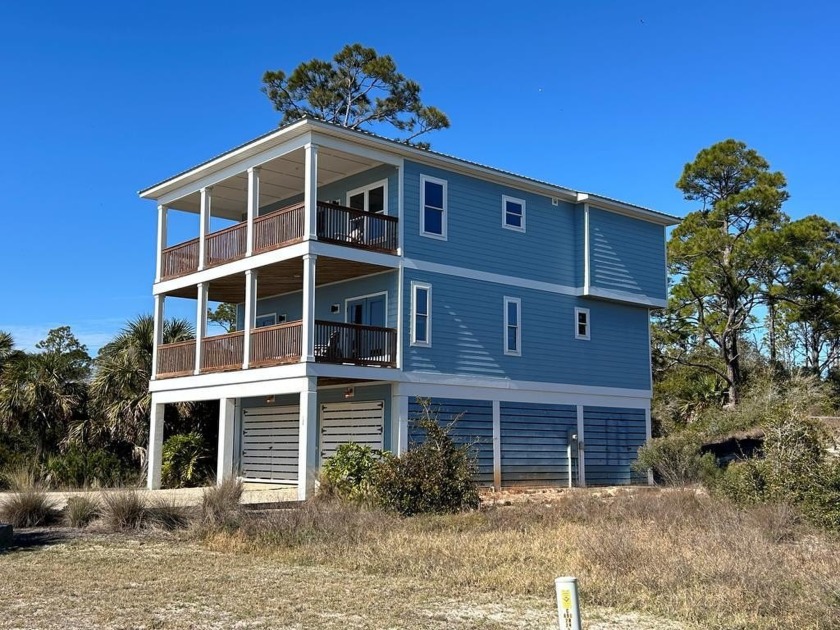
(250, 315)
(310, 194)
(253, 207)
(200, 324)
(158, 332)
(308, 324)
(161, 240)
(204, 226)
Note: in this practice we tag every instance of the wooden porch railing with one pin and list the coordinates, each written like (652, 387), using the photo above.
(226, 245)
(180, 259)
(279, 228)
(275, 345)
(357, 228)
(337, 342)
(222, 352)
(176, 359)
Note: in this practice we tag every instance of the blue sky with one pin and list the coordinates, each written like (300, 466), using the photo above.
(101, 99)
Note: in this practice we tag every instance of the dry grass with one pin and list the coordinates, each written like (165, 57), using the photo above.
(28, 507)
(81, 510)
(674, 554)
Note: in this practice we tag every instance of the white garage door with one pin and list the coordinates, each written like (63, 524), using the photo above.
(270, 443)
(359, 422)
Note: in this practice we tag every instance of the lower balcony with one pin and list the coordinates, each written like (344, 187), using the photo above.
(335, 342)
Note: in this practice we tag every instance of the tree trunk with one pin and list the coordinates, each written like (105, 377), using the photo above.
(733, 370)
(771, 315)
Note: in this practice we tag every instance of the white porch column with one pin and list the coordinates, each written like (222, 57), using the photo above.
(581, 449)
(399, 424)
(253, 206)
(497, 445)
(200, 324)
(648, 436)
(308, 445)
(250, 315)
(310, 194)
(307, 350)
(158, 331)
(163, 217)
(155, 453)
(224, 463)
(204, 226)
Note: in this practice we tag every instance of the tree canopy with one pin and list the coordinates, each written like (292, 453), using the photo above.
(357, 88)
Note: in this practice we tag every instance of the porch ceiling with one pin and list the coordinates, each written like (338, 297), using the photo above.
(282, 277)
(280, 179)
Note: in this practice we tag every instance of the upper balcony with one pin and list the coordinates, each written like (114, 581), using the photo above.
(335, 224)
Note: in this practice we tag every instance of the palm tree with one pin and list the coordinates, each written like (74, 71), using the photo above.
(120, 386)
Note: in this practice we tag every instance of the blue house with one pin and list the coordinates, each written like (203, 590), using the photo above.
(368, 274)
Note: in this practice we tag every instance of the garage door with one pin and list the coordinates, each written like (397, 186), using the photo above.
(270, 443)
(359, 422)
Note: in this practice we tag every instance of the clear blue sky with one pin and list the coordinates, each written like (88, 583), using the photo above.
(101, 99)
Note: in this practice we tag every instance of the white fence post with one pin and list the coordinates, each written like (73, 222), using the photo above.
(568, 605)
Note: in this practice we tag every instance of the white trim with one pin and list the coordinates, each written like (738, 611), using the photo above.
(400, 209)
(307, 330)
(328, 284)
(516, 352)
(445, 213)
(581, 448)
(273, 319)
(505, 224)
(162, 222)
(253, 207)
(326, 137)
(588, 323)
(587, 272)
(382, 183)
(204, 225)
(400, 315)
(310, 192)
(626, 297)
(200, 324)
(428, 288)
(364, 297)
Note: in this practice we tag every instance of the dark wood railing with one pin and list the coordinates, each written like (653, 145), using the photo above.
(280, 228)
(337, 342)
(275, 345)
(176, 359)
(222, 352)
(357, 228)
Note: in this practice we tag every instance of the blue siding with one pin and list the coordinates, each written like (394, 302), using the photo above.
(337, 191)
(476, 238)
(467, 336)
(612, 437)
(290, 303)
(626, 254)
(474, 426)
(534, 438)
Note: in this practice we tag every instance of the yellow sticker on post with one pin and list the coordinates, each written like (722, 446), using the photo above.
(566, 599)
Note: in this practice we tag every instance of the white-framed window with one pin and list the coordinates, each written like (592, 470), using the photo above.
(513, 326)
(513, 213)
(269, 319)
(421, 314)
(370, 198)
(582, 323)
(433, 207)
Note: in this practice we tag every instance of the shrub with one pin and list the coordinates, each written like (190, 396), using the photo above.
(19, 477)
(80, 468)
(220, 505)
(675, 459)
(184, 461)
(435, 476)
(166, 513)
(123, 509)
(28, 507)
(81, 510)
(348, 475)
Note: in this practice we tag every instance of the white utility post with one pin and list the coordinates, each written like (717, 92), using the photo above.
(308, 439)
(310, 194)
(163, 217)
(568, 605)
(155, 453)
(581, 445)
(497, 445)
(399, 423)
(250, 315)
(253, 206)
(204, 226)
(224, 462)
(308, 325)
(157, 340)
(200, 324)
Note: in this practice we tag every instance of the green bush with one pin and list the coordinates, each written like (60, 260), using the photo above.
(28, 507)
(80, 468)
(81, 510)
(676, 459)
(184, 461)
(435, 476)
(348, 475)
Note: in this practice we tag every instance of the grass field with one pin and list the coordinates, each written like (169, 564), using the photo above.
(645, 560)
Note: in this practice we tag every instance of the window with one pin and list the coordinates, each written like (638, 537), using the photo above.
(432, 207)
(371, 198)
(513, 213)
(421, 314)
(581, 323)
(267, 320)
(513, 326)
